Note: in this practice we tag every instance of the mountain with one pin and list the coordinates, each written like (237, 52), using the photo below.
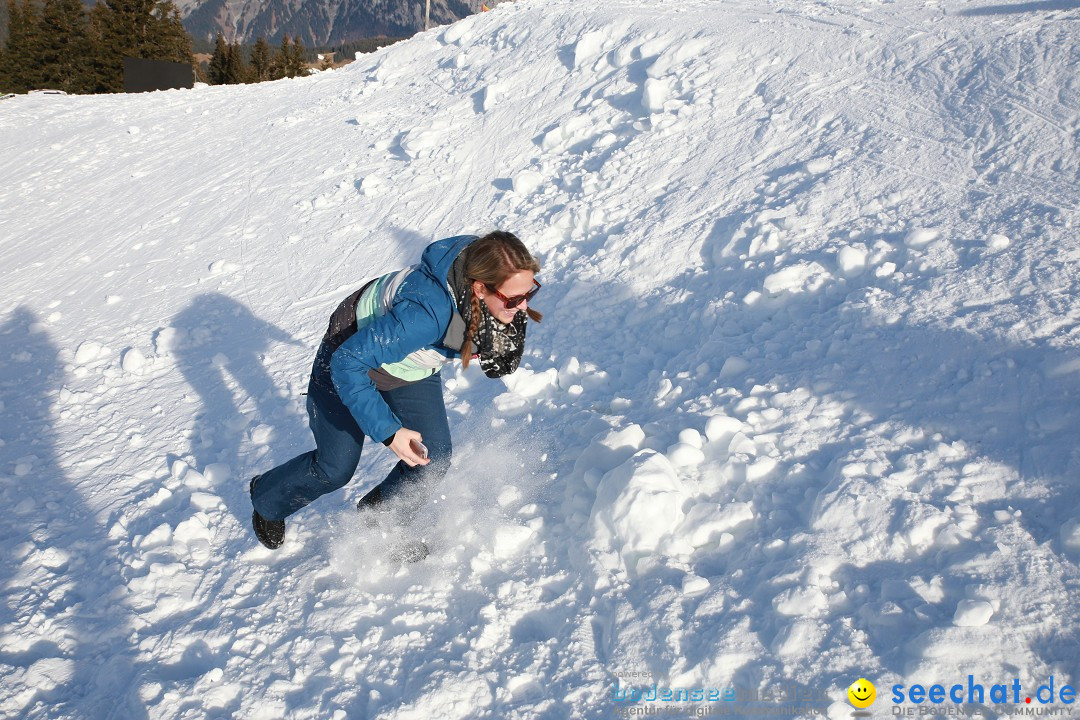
(315, 22)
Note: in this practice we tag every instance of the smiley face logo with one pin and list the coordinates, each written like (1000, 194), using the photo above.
(862, 693)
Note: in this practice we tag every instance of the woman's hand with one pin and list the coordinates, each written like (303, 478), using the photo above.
(406, 445)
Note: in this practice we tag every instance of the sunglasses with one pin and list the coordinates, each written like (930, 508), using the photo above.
(513, 302)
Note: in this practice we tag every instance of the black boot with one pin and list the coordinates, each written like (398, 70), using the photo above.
(410, 552)
(372, 500)
(372, 507)
(271, 533)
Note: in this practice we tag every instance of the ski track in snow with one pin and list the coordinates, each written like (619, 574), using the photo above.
(802, 407)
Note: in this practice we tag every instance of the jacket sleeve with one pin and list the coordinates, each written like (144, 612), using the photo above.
(409, 326)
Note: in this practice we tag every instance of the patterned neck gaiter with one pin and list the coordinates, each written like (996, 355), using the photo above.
(499, 346)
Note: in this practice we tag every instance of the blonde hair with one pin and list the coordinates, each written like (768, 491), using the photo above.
(491, 260)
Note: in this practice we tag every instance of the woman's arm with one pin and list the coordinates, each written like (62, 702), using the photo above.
(409, 326)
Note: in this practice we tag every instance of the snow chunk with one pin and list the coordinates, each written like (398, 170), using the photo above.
(801, 277)
(685, 455)
(998, 242)
(510, 539)
(623, 55)
(576, 129)
(721, 428)
(838, 711)
(372, 185)
(851, 261)
(49, 673)
(1070, 531)
(569, 372)
(149, 692)
(693, 584)
(801, 602)
(510, 496)
(205, 501)
(423, 139)
(192, 530)
(740, 443)
(456, 697)
(655, 95)
(24, 465)
(492, 94)
(193, 479)
(88, 352)
(923, 525)
(921, 237)
(217, 473)
(819, 165)
(734, 366)
(800, 638)
(654, 47)
(761, 469)
(132, 361)
(458, 33)
(221, 267)
(159, 536)
(707, 522)
(885, 269)
(690, 436)
(637, 505)
(178, 469)
(509, 404)
(169, 339)
(610, 449)
(262, 434)
(527, 181)
(972, 613)
(588, 47)
(52, 558)
(527, 383)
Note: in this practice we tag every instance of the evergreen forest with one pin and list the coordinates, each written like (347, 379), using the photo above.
(60, 45)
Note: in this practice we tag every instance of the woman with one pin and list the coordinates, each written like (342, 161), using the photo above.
(376, 373)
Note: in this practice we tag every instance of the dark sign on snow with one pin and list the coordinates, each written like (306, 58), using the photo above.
(149, 75)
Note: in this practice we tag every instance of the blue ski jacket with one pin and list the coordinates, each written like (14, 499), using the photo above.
(410, 321)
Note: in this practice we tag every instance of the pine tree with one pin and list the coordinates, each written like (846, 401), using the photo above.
(65, 47)
(236, 68)
(297, 61)
(219, 62)
(20, 66)
(279, 66)
(260, 60)
(174, 42)
(148, 29)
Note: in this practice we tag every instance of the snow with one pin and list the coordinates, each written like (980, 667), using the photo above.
(973, 613)
(802, 408)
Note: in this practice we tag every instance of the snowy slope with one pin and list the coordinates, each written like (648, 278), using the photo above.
(802, 408)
